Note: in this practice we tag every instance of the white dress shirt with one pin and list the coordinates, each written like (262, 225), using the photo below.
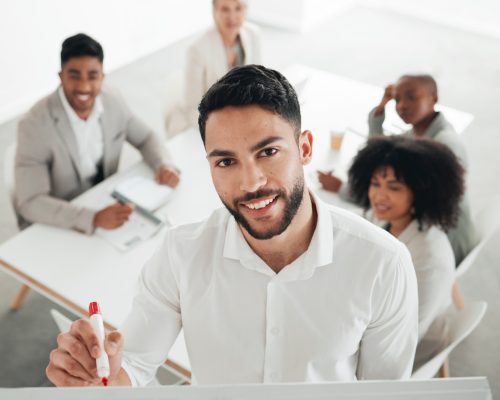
(88, 135)
(346, 309)
(434, 263)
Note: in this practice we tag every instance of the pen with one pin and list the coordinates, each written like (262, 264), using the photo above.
(102, 362)
(145, 213)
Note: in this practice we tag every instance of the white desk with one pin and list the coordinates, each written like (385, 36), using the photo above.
(73, 269)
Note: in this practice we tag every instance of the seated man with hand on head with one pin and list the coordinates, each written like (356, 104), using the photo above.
(416, 97)
(232, 42)
(72, 139)
(275, 287)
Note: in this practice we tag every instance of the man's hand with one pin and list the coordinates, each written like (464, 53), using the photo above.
(388, 96)
(167, 176)
(329, 182)
(73, 363)
(113, 217)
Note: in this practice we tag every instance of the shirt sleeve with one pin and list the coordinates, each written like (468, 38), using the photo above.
(375, 123)
(154, 321)
(388, 345)
(435, 276)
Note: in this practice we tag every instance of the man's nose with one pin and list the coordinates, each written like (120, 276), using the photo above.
(84, 86)
(252, 178)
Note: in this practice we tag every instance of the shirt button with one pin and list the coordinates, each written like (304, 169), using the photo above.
(275, 330)
(273, 376)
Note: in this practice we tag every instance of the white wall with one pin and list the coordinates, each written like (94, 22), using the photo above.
(295, 15)
(31, 33)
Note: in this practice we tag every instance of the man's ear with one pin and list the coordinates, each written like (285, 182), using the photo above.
(306, 147)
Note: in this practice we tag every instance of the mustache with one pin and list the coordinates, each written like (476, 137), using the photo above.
(258, 194)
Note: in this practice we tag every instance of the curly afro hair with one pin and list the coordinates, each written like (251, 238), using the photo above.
(429, 168)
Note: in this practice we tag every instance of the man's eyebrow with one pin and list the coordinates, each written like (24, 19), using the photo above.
(221, 153)
(74, 71)
(255, 147)
(265, 142)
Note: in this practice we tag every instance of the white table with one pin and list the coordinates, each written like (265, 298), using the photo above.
(73, 269)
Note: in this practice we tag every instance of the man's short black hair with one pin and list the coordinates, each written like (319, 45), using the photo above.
(80, 45)
(252, 85)
(429, 168)
(427, 80)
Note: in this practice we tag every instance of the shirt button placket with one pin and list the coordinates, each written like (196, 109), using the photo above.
(271, 357)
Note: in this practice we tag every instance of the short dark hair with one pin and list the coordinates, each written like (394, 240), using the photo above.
(426, 80)
(430, 169)
(252, 85)
(80, 45)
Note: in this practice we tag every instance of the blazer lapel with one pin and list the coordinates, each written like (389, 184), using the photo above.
(218, 56)
(247, 46)
(65, 131)
(106, 126)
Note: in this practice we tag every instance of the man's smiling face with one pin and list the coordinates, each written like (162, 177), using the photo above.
(257, 167)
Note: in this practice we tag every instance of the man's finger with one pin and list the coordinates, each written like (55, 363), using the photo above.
(66, 362)
(83, 329)
(72, 346)
(113, 344)
(61, 378)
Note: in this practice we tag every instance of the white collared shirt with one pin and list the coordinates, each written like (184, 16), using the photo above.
(88, 135)
(346, 309)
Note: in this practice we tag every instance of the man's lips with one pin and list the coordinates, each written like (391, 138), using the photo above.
(83, 96)
(259, 203)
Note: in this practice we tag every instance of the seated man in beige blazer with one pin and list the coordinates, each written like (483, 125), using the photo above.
(72, 139)
(231, 42)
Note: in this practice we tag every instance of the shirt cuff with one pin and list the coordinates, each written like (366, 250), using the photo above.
(86, 221)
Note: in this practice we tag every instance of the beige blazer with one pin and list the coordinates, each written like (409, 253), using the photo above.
(207, 62)
(47, 164)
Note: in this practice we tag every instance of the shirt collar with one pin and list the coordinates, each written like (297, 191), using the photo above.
(73, 116)
(319, 253)
(437, 125)
(409, 232)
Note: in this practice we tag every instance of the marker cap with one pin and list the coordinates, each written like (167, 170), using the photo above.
(94, 308)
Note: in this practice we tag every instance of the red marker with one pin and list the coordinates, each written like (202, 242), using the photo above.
(102, 362)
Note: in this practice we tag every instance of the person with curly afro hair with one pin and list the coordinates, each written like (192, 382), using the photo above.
(413, 186)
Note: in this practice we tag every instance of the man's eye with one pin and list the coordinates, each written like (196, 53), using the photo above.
(226, 162)
(268, 152)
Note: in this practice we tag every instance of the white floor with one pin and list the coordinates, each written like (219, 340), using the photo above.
(367, 43)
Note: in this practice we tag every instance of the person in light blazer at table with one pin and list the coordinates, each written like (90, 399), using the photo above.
(72, 139)
(231, 42)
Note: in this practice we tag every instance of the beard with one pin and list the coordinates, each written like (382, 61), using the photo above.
(292, 204)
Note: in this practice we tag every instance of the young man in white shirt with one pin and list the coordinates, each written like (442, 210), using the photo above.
(277, 287)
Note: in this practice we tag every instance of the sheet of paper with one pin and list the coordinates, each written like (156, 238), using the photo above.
(133, 232)
(144, 192)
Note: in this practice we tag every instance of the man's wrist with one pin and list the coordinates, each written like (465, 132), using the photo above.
(122, 379)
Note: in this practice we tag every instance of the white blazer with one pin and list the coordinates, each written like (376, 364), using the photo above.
(207, 62)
